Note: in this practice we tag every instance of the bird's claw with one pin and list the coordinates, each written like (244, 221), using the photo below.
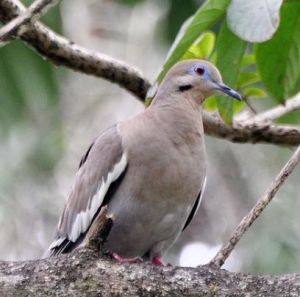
(156, 260)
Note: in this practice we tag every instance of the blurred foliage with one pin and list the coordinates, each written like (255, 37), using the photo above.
(29, 98)
(203, 47)
(130, 2)
(177, 14)
(274, 63)
(26, 80)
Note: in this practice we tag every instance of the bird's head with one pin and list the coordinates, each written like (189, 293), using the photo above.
(198, 78)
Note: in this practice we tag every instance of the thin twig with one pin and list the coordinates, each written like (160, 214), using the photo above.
(248, 220)
(276, 112)
(252, 109)
(63, 52)
(22, 22)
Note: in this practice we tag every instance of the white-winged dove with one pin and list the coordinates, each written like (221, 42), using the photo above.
(149, 170)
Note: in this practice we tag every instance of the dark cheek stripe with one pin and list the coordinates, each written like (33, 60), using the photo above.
(184, 88)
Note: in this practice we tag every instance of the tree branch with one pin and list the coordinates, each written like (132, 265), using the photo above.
(248, 220)
(251, 133)
(63, 52)
(22, 22)
(276, 112)
(82, 273)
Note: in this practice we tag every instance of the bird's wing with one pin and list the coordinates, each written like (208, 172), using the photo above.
(196, 206)
(102, 165)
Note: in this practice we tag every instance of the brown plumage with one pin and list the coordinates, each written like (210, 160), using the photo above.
(150, 170)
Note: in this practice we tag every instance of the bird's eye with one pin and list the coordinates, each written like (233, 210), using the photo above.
(200, 70)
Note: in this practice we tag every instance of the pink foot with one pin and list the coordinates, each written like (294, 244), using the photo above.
(121, 259)
(157, 261)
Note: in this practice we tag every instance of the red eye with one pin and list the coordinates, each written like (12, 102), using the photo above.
(199, 70)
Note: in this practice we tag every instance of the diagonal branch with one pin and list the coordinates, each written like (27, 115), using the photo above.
(66, 53)
(276, 112)
(63, 52)
(255, 212)
(23, 21)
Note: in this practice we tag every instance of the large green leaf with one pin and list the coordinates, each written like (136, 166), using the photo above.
(230, 50)
(210, 12)
(255, 20)
(203, 47)
(278, 60)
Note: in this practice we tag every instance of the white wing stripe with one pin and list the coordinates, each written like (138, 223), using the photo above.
(202, 191)
(84, 218)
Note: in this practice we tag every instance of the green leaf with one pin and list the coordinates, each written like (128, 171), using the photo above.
(230, 50)
(248, 60)
(238, 106)
(255, 20)
(290, 118)
(254, 92)
(130, 2)
(210, 103)
(247, 78)
(208, 14)
(206, 45)
(278, 60)
(203, 47)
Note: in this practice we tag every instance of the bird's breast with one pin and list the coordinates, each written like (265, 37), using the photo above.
(170, 164)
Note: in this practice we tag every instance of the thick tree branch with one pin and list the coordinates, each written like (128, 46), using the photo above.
(84, 274)
(255, 212)
(251, 133)
(21, 23)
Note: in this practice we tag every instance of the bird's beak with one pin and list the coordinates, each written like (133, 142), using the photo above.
(225, 89)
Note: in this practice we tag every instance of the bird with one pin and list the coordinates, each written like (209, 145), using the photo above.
(149, 170)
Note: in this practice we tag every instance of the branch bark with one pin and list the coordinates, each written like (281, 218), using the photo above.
(23, 21)
(83, 273)
(251, 133)
(99, 230)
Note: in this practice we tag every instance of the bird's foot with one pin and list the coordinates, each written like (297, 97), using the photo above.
(156, 260)
(121, 259)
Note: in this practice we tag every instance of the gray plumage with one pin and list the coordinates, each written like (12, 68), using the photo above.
(149, 170)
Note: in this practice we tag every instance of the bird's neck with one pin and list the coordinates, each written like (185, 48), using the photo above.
(180, 111)
(182, 98)
(183, 101)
